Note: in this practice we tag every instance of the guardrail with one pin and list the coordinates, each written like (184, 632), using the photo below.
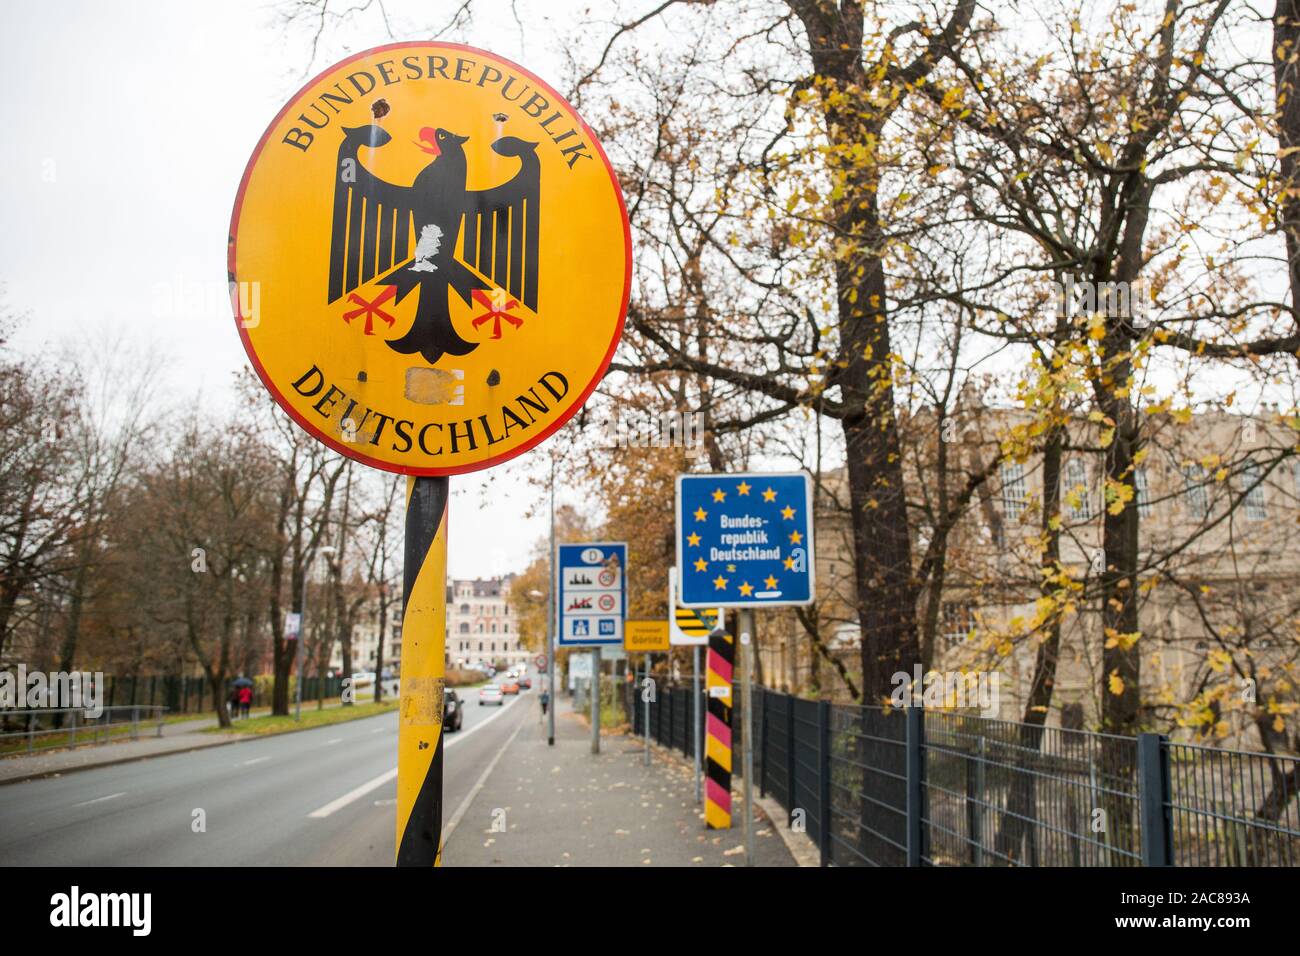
(74, 728)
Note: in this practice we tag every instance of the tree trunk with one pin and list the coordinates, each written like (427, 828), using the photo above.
(76, 602)
(885, 592)
(1017, 823)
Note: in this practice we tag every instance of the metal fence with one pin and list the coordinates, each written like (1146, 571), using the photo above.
(193, 695)
(670, 716)
(876, 787)
(44, 728)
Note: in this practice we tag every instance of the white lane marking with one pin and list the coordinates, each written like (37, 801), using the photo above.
(353, 795)
(478, 785)
(379, 730)
(245, 763)
(111, 796)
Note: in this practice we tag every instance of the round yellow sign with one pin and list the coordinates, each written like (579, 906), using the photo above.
(429, 259)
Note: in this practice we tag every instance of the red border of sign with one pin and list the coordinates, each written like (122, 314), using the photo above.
(261, 372)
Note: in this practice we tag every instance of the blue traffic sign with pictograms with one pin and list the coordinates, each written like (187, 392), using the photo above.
(745, 540)
(592, 589)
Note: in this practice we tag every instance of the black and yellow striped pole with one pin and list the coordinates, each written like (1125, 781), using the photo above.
(717, 752)
(424, 641)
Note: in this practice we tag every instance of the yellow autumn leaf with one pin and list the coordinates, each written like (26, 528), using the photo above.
(1116, 683)
(1124, 641)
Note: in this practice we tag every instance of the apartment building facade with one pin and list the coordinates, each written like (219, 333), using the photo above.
(482, 627)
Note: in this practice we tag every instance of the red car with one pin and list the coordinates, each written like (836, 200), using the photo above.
(510, 686)
(525, 683)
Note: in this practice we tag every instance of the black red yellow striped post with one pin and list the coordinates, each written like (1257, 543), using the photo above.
(717, 751)
(424, 641)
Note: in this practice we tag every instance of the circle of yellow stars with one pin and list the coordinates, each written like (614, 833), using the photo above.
(721, 583)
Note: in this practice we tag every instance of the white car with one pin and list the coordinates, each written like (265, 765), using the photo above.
(491, 694)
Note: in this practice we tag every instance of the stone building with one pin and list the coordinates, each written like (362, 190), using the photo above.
(481, 625)
(1218, 498)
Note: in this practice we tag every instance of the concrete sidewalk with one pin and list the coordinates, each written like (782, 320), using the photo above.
(564, 806)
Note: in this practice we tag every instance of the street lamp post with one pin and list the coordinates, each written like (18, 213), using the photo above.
(551, 627)
(535, 595)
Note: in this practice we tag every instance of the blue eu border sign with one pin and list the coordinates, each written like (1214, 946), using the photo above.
(593, 594)
(745, 540)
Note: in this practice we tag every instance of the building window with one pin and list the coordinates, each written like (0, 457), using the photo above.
(1076, 490)
(464, 628)
(958, 619)
(1194, 491)
(505, 628)
(1252, 484)
(1143, 491)
(1014, 496)
(464, 609)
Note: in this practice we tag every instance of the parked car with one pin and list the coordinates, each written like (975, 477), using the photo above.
(453, 712)
(491, 694)
(510, 686)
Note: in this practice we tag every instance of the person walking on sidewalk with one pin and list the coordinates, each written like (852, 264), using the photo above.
(232, 702)
(544, 698)
(245, 700)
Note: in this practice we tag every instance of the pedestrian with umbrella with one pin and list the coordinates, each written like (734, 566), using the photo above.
(244, 694)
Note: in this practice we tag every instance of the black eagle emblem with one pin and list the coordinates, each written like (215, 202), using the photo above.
(408, 236)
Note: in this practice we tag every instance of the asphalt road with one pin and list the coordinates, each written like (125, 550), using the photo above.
(323, 797)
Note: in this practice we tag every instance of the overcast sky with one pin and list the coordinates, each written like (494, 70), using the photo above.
(127, 126)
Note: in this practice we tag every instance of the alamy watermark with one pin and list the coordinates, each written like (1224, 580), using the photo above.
(947, 689)
(669, 429)
(75, 690)
(189, 299)
(1080, 298)
(76, 908)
